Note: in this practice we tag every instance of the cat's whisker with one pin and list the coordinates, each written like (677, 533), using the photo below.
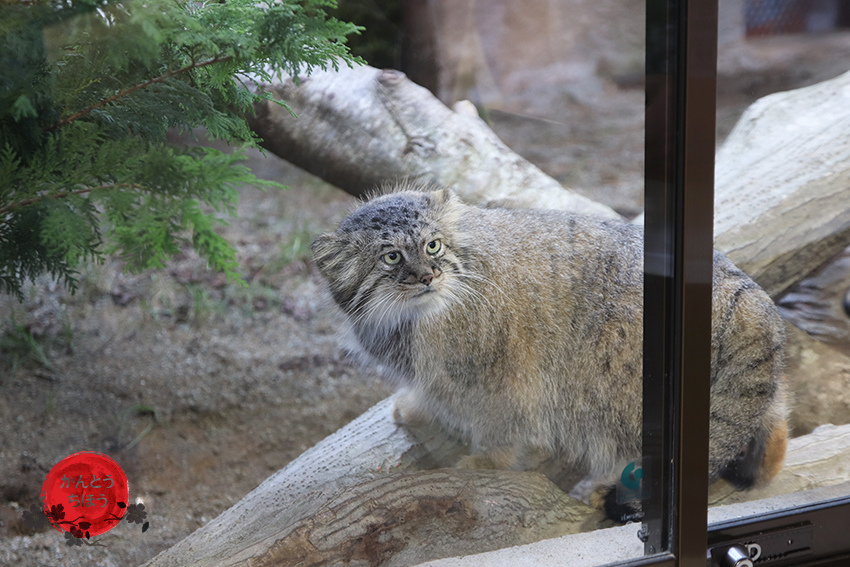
(468, 291)
(481, 278)
(380, 307)
(388, 309)
(366, 310)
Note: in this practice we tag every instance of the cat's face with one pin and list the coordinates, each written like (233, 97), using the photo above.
(393, 260)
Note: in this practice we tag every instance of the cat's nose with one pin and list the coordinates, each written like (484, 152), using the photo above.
(427, 279)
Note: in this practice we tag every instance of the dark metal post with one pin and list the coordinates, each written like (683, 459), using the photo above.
(680, 121)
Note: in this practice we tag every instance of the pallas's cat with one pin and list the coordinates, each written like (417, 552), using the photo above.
(522, 330)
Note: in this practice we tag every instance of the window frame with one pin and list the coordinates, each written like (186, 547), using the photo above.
(681, 84)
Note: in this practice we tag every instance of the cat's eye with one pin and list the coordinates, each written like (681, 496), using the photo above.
(434, 246)
(391, 258)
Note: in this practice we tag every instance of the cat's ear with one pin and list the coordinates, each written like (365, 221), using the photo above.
(445, 206)
(336, 256)
(442, 196)
(330, 252)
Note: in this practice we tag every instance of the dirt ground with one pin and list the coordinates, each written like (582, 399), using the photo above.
(198, 388)
(201, 389)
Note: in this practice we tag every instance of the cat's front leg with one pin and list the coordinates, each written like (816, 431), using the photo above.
(409, 408)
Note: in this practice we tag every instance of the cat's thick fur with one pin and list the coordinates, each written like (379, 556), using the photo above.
(522, 330)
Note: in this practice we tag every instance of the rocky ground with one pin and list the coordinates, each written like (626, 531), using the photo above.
(201, 389)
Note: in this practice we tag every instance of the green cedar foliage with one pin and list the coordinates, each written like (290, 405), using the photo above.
(88, 91)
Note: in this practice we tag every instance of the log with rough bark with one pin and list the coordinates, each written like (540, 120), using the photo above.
(356, 499)
(373, 492)
(824, 452)
(782, 184)
(360, 128)
(369, 493)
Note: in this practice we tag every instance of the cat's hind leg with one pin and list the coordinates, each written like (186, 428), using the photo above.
(759, 462)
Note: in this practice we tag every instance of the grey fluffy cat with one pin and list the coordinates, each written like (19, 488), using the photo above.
(522, 330)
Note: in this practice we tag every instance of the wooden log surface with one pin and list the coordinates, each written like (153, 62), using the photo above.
(362, 127)
(782, 184)
(368, 448)
(403, 518)
(823, 453)
(356, 498)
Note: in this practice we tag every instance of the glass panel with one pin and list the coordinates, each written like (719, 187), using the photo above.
(562, 84)
(782, 216)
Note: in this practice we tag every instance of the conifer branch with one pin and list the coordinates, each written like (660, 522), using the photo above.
(158, 191)
(128, 90)
(64, 194)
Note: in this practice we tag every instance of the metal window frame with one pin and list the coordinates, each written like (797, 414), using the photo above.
(681, 81)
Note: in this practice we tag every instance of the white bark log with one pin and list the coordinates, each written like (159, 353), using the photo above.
(782, 184)
(357, 496)
(804, 481)
(782, 178)
(355, 499)
(360, 128)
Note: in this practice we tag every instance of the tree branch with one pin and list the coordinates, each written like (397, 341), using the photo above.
(128, 90)
(26, 202)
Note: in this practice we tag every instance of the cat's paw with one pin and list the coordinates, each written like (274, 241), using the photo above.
(604, 498)
(407, 410)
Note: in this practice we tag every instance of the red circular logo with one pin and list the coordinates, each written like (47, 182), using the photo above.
(85, 494)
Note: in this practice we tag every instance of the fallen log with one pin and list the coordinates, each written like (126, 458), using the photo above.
(362, 127)
(782, 184)
(351, 500)
(405, 518)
